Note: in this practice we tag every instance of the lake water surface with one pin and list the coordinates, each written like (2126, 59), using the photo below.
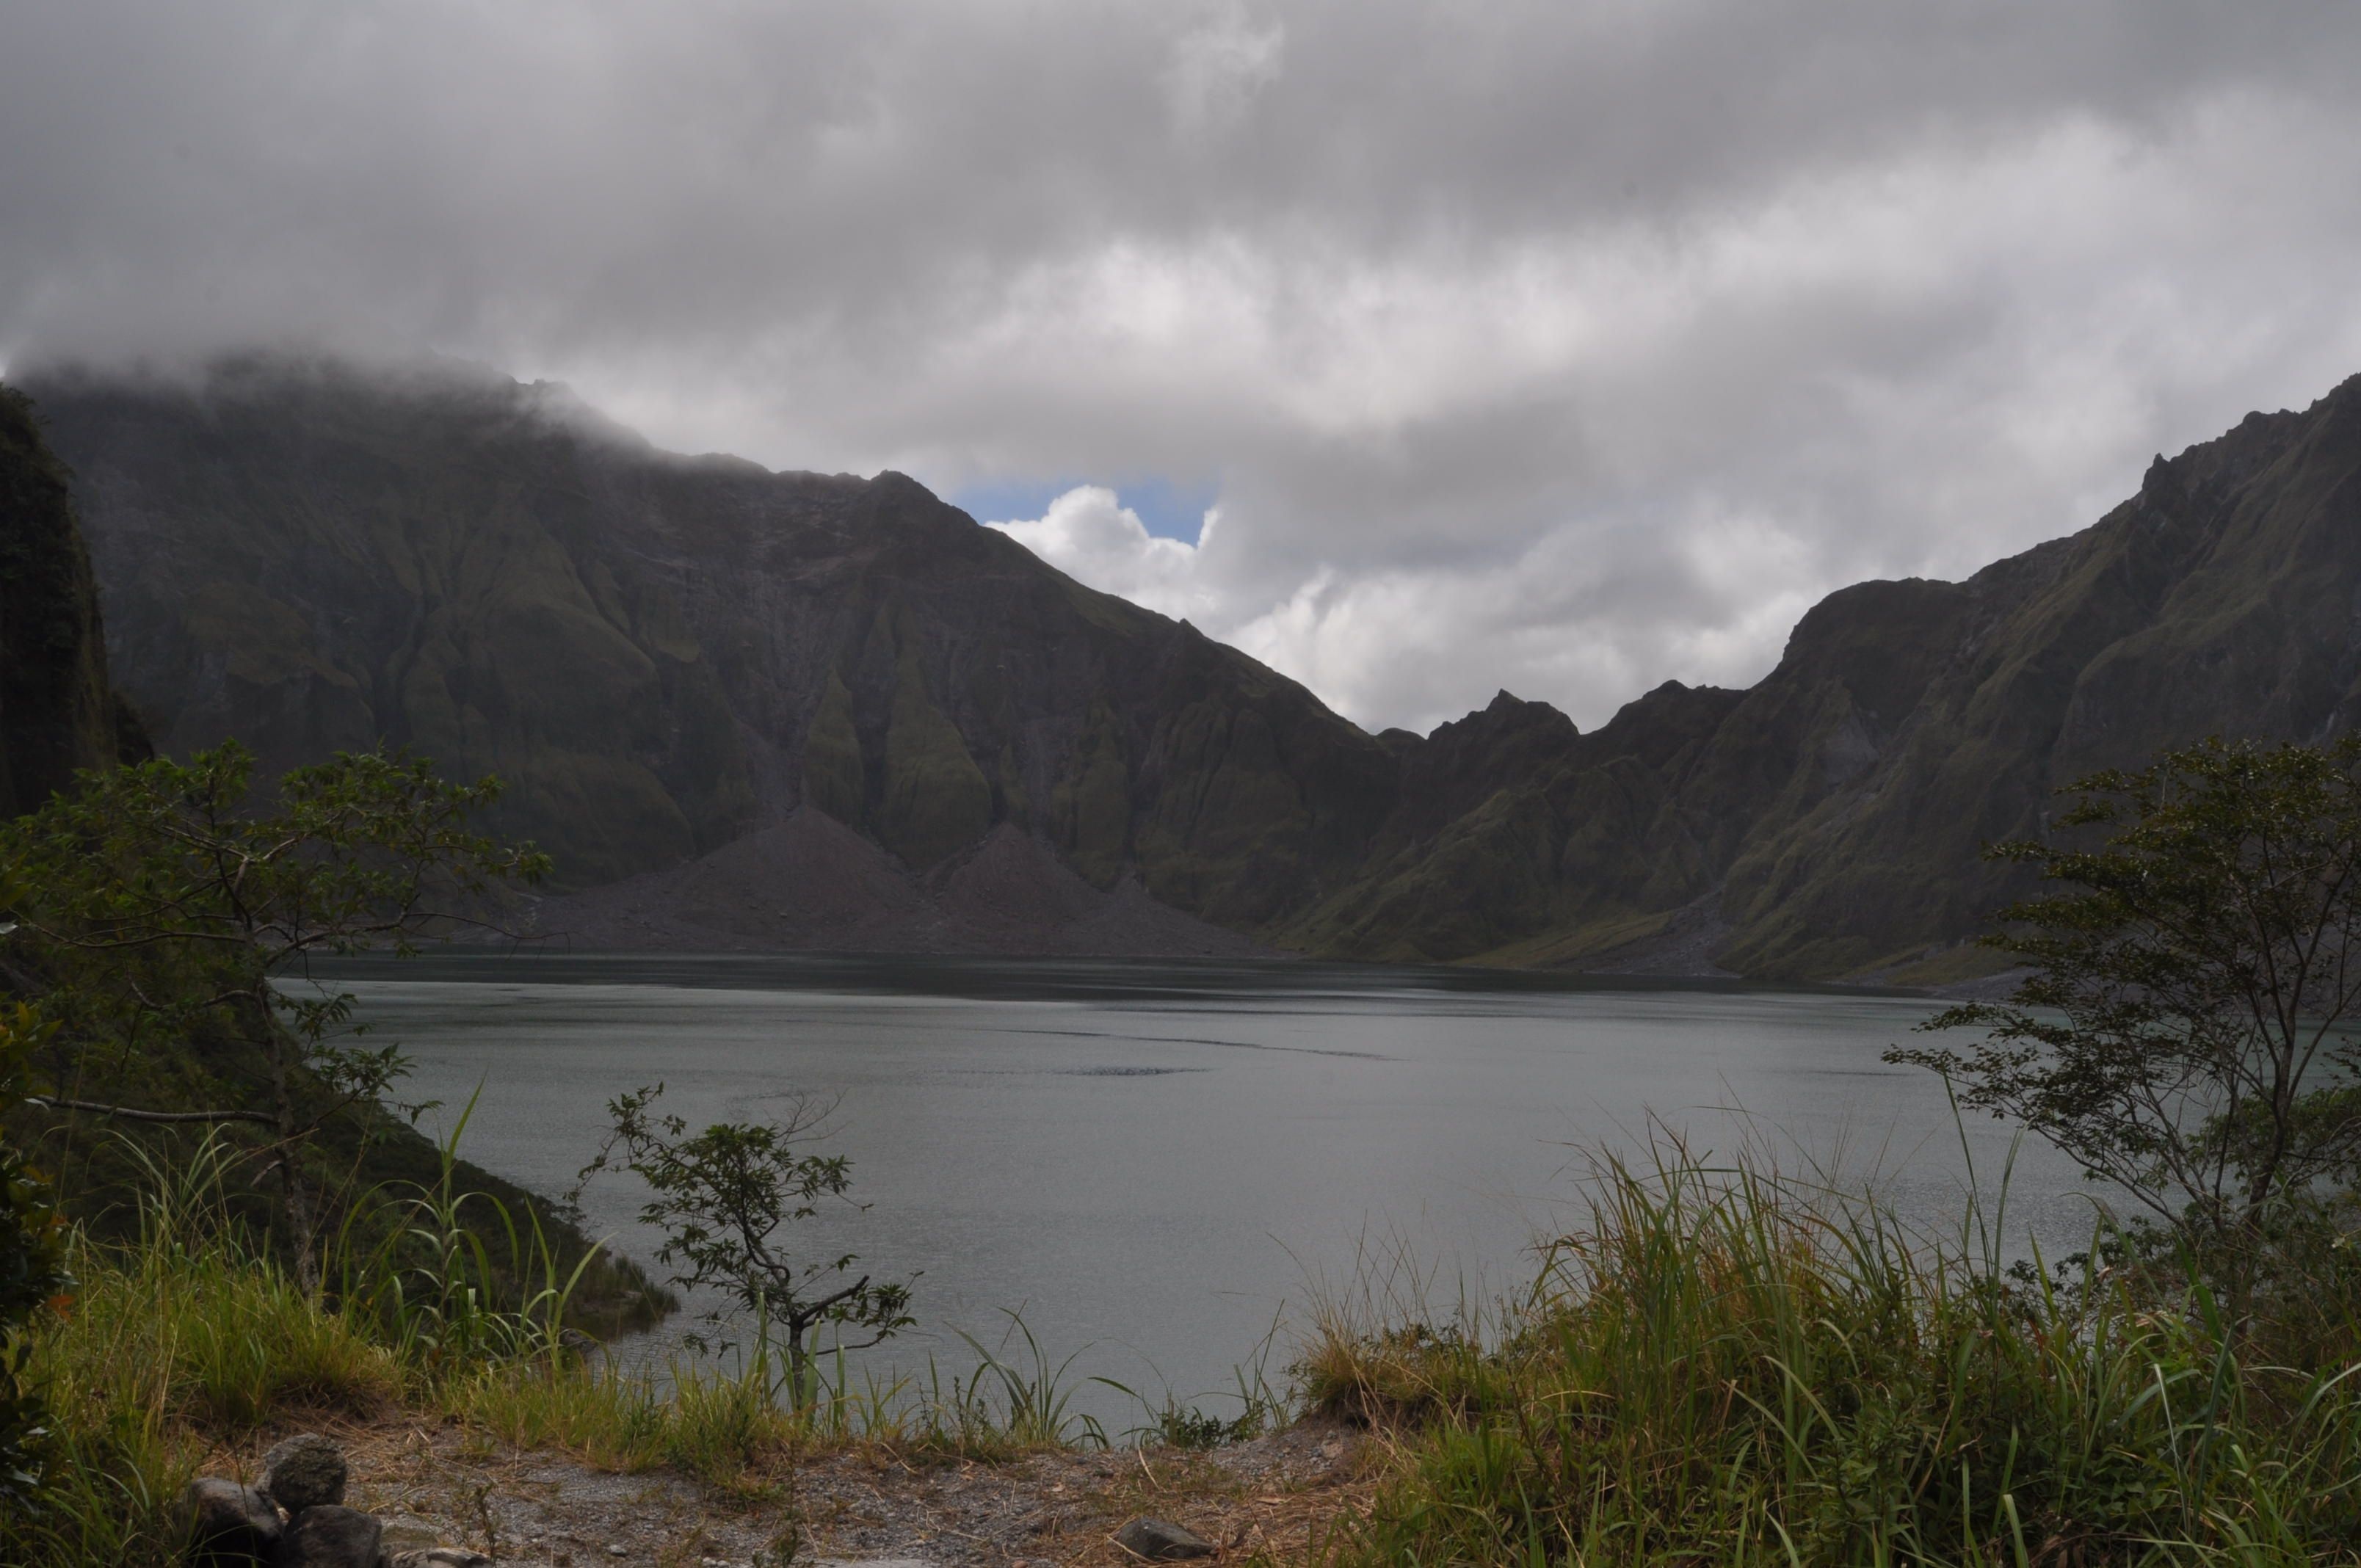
(1155, 1162)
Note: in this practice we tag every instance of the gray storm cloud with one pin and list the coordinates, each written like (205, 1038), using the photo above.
(1562, 348)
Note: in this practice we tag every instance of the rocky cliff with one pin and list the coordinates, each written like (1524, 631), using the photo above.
(57, 712)
(696, 673)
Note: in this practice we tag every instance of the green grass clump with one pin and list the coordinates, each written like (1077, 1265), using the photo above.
(162, 1355)
(1728, 1367)
(733, 1426)
(721, 1426)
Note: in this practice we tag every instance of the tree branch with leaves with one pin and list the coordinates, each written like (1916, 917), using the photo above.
(2186, 1030)
(164, 901)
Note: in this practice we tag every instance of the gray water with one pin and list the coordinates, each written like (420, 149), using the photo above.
(1155, 1163)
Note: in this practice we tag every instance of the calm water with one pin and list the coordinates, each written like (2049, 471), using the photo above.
(1155, 1162)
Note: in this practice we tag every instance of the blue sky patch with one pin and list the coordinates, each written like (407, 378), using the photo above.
(1169, 510)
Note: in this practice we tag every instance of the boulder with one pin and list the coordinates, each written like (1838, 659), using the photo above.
(227, 1523)
(329, 1536)
(304, 1471)
(1161, 1540)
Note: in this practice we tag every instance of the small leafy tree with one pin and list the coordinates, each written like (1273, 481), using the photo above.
(161, 904)
(2186, 1028)
(721, 1197)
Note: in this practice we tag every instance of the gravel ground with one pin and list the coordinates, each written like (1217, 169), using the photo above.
(440, 1484)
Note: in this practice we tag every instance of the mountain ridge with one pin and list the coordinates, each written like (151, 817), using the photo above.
(667, 654)
(663, 654)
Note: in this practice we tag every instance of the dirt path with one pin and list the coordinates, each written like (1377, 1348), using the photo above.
(440, 1484)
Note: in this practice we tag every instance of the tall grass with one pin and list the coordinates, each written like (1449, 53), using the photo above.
(432, 1283)
(190, 1334)
(1725, 1366)
(175, 1339)
(1721, 1366)
(188, 1337)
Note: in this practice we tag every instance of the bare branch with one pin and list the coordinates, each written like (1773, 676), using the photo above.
(131, 1114)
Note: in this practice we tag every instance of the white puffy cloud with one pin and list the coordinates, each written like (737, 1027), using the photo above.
(1090, 535)
(1580, 466)
(1563, 348)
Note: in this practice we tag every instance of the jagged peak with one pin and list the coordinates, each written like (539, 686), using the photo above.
(1506, 712)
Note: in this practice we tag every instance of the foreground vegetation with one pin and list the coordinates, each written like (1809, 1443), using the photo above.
(217, 1220)
(193, 1335)
(1729, 1367)
(1723, 1365)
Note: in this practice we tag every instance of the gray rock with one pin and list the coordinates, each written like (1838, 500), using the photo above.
(304, 1471)
(439, 1557)
(227, 1523)
(327, 1536)
(1161, 1540)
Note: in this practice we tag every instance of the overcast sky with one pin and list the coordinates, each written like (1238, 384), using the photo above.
(1566, 347)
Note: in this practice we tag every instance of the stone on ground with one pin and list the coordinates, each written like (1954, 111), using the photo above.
(304, 1471)
(228, 1523)
(327, 1536)
(1161, 1540)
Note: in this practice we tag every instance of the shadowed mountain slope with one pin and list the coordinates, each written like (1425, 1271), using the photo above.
(662, 654)
(709, 685)
(57, 712)
(1830, 821)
